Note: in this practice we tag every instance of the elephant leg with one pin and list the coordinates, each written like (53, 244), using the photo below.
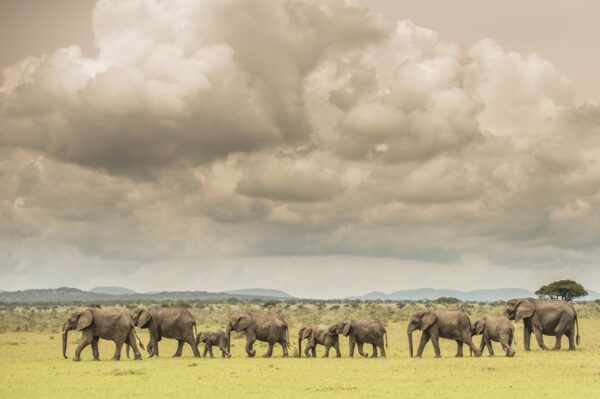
(374, 351)
(382, 348)
(488, 343)
(506, 346)
(571, 335)
(118, 346)
(210, 351)
(557, 344)
(482, 344)
(351, 343)
(269, 352)
(436, 344)
(359, 345)
(154, 343)
(179, 348)
(250, 338)
(133, 344)
(192, 342)
(307, 350)
(539, 338)
(205, 350)
(527, 338)
(86, 340)
(223, 348)
(424, 339)
(459, 349)
(95, 348)
(284, 346)
(327, 348)
(337, 349)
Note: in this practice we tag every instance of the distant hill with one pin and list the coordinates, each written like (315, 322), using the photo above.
(66, 294)
(260, 292)
(112, 290)
(501, 294)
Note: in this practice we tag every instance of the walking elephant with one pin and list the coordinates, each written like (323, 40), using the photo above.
(214, 338)
(498, 329)
(448, 324)
(174, 323)
(556, 318)
(110, 324)
(265, 327)
(360, 332)
(318, 334)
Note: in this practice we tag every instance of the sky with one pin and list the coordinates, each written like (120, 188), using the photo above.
(324, 148)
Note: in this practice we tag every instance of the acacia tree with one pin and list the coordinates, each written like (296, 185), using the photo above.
(567, 290)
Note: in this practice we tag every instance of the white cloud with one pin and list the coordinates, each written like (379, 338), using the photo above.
(207, 133)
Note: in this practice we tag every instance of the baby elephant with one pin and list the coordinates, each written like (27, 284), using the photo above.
(498, 329)
(217, 338)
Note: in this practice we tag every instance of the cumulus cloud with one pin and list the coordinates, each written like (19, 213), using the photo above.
(207, 132)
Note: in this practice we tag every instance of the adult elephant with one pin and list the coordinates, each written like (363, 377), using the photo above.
(448, 324)
(360, 332)
(95, 324)
(266, 327)
(174, 323)
(318, 334)
(556, 318)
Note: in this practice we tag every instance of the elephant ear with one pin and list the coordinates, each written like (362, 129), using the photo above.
(479, 326)
(144, 318)
(427, 320)
(243, 322)
(306, 332)
(84, 320)
(347, 328)
(202, 337)
(525, 309)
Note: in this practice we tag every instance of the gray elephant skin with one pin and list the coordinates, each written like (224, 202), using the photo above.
(360, 332)
(95, 324)
(173, 323)
(540, 317)
(318, 334)
(214, 338)
(497, 329)
(436, 324)
(266, 327)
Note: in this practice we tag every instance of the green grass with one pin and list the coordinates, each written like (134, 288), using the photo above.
(32, 367)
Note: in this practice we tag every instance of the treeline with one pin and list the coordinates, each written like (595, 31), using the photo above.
(210, 315)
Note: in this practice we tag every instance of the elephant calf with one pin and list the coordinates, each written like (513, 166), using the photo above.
(498, 329)
(318, 335)
(360, 332)
(217, 338)
(449, 324)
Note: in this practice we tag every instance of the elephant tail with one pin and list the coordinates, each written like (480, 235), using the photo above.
(577, 338)
(287, 336)
(196, 337)
(386, 335)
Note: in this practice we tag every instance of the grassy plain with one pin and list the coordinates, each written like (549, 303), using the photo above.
(31, 366)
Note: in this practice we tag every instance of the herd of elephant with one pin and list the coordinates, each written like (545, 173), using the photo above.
(555, 318)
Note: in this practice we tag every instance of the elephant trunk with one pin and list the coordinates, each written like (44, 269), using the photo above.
(228, 332)
(65, 332)
(410, 340)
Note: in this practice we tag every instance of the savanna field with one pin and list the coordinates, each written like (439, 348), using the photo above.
(32, 366)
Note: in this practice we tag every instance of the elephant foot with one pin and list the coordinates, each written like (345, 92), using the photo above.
(458, 355)
(138, 357)
(116, 359)
(510, 354)
(251, 354)
(267, 355)
(437, 356)
(96, 359)
(285, 355)
(76, 359)
(176, 355)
